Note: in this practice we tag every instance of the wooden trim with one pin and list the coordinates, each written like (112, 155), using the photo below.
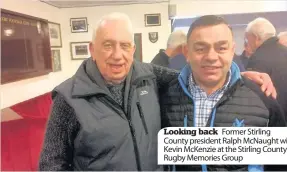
(15, 77)
(141, 47)
(22, 15)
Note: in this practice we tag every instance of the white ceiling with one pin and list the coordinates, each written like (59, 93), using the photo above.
(89, 3)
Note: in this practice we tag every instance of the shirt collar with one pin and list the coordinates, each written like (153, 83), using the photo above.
(193, 86)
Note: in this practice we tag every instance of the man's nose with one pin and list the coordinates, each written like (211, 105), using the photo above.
(212, 55)
(117, 53)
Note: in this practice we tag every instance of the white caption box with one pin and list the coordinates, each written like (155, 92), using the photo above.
(230, 145)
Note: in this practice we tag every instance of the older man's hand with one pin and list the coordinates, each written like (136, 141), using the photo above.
(263, 80)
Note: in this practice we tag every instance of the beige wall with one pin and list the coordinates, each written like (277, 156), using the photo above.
(136, 12)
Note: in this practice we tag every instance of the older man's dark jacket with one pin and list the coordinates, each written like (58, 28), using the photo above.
(271, 58)
(89, 131)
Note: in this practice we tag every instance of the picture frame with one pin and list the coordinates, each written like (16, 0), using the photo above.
(79, 24)
(152, 19)
(55, 35)
(56, 59)
(79, 50)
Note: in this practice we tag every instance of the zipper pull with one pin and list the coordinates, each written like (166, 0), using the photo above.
(132, 128)
(142, 117)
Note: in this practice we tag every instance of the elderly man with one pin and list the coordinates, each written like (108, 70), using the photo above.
(268, 55)
(210, 92)
(107, 116)
(283, 38)
(175, 43)
(242, 60)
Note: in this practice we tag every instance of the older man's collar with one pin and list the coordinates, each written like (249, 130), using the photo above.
(89, 81)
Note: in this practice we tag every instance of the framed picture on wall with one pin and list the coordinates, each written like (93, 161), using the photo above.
(56, 59)
(152, 20)
(79, 25)
(55, 34)
(79, 50)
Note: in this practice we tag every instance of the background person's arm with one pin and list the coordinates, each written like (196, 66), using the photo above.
(58, 148)
(164, 75)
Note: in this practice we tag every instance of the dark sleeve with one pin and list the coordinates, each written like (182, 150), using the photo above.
(156, 60)
(276, 117)
(258, 65)
(164, 75)
(239, 63)
(62, 127)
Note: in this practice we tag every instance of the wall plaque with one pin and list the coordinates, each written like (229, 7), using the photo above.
(25, 47)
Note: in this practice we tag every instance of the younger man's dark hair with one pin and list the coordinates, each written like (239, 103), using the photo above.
(207, 20)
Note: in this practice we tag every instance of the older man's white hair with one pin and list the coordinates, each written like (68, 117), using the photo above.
(282, 34)
(176, 39)
(115, 16)
(262, 28)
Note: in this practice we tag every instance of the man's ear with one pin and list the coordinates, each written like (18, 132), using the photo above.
(185, 52)
(233, 47)
(178, 50)
(259, 41)
(134, 48)
(91, 47)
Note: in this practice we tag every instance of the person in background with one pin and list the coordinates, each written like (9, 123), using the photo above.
(210, 91)
(237, 59)
(242, 60)
(106, 117)
(283, 38)
(268, 55)
(178, 62)
(175, 42)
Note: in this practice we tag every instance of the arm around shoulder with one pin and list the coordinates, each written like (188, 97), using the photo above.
(164, 75)
(276, 115)
(62, 127)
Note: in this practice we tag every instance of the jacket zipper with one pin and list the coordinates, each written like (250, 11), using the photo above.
(136, 149)
(112, 104)
(224, 98)
(128, 116)
(142, 117)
